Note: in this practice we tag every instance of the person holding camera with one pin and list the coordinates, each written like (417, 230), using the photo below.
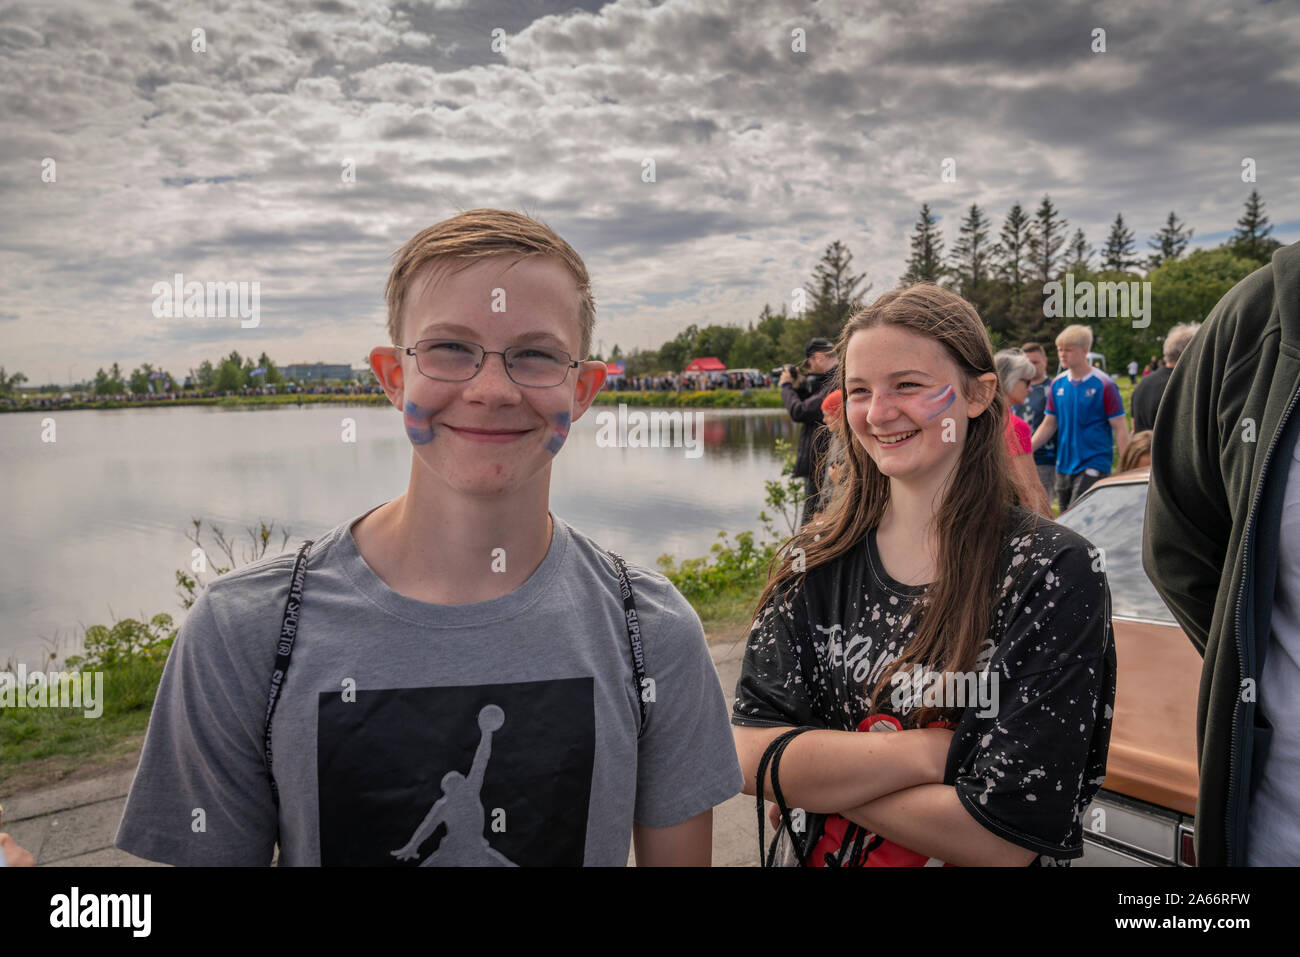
(802, 395)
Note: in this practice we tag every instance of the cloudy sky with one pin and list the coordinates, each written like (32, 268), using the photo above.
(226, 164)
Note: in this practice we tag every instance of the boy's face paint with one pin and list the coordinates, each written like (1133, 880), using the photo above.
(559, 433)
(419, 428)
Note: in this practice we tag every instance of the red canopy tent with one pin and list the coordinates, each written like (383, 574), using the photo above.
(706, 364)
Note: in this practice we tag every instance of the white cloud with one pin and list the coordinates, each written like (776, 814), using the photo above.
(227, 163)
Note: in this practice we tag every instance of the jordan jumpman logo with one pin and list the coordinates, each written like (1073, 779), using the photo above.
(461, 809)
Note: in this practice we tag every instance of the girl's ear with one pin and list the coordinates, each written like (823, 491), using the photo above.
(986, 389)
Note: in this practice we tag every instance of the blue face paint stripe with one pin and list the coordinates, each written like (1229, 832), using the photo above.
(561, 432)
(418, 429)
(951, 393)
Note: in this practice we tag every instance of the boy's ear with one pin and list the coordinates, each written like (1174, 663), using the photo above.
(986, 388)
(591, 377)
(386, 364)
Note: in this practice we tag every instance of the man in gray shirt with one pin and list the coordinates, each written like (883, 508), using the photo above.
(462, 687)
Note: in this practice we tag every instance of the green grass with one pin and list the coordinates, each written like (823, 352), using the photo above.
(223, 401)
(34, 734)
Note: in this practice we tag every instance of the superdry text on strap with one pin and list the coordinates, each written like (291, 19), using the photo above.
(283, 652)
(633, 635)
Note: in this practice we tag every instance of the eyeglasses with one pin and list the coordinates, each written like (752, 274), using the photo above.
(454, 360)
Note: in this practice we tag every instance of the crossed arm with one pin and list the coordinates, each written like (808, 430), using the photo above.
(891, 784)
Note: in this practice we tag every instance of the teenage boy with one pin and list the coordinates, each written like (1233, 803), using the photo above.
(1087, 404)
(463, 685)
(1032, 411)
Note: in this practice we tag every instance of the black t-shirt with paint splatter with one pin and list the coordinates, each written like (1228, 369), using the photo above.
(1025, 769)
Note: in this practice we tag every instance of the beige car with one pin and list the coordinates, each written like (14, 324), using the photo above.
(1143, 814)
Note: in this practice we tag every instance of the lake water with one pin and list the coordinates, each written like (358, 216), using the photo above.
(95, 523)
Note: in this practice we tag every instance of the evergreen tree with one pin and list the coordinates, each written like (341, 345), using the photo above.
(1079, 252)
(1252, 240)
(1046, 239)
(972, 253)
(926, 262)
(1170, 242)
(835, 291)
(1013, 247)
(1119, 254)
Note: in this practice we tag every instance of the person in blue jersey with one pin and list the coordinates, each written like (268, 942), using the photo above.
(1085, 413)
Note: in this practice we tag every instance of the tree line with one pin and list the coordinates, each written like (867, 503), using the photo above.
(1002, 274)
(231, 374)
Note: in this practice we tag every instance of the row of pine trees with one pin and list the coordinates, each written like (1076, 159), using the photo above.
(1002, 273)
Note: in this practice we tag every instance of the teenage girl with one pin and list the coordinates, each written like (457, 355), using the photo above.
(930, 605)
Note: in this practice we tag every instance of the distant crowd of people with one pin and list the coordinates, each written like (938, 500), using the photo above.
(689, 381)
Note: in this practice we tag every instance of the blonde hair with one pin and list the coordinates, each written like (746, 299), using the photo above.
(1075, 336)
(476, 234)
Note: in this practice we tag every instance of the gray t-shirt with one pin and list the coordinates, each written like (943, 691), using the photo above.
(501, 732)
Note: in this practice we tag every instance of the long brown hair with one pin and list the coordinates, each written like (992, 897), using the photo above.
(956, 608)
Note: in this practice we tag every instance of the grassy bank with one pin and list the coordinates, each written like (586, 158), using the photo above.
(119, 676)
(223, 401)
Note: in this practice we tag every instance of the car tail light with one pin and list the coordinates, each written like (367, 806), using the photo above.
(1186, 845)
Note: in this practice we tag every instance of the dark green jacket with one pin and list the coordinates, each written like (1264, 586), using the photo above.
(1220, 452)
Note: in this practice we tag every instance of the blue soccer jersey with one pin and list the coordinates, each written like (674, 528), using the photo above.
(1084, 410)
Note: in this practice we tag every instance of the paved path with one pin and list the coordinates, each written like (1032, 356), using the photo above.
(72, 825)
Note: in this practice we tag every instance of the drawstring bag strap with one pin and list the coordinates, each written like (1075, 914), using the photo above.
(633, 635)
(283, 651)
(772, 756)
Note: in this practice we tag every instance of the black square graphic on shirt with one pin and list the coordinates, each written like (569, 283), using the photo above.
(494, 775)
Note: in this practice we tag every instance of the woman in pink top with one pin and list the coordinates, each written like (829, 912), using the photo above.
(1015, 372)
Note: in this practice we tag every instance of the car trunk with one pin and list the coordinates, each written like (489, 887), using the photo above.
(1153, 736)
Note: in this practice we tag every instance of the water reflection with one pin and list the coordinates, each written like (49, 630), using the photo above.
(96, 521)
